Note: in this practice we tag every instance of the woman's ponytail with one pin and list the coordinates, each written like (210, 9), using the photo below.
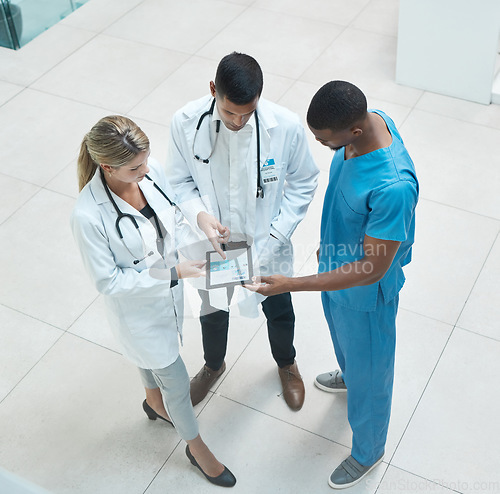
(86, 166)
(115, 141)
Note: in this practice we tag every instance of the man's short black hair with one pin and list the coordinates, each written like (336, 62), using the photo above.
(239, 78)
(337, 106)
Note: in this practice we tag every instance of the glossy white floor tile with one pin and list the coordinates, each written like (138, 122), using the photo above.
(323, 414)
(8, 90)
(37, 152)
(334, 11)
(44, 277)
(396, 480)
(451, 248)
(13, 194)
(97, 16)
(41, 54)
(481, 313)
(97, 74)
(379, 16)
(83, 424)
(190, 80)
(24, 342)
(93, 326)
(295, 461)
(182, 26)
(419, 344)
(467, 111)
(291, 54)
(366, 59)
(462, 167)
(451, 434)
(70, 406)
(66, 181)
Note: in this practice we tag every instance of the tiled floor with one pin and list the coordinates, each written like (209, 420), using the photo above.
(70, 405)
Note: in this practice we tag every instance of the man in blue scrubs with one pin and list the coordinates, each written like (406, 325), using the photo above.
(367, 231)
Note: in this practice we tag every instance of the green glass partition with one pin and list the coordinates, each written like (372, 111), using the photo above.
(23, 20)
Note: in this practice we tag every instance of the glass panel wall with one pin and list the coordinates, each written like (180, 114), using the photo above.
(23, 20)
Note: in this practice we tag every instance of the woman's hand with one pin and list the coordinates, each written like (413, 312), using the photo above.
(190, 269)
(215, 232)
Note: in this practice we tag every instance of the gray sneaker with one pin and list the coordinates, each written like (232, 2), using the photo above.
(349, 473)
(331, 382)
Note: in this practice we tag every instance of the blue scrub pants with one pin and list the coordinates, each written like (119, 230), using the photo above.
(365, 344)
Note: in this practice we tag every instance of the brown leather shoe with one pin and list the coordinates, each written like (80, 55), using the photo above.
(293, 386)
(202, 382)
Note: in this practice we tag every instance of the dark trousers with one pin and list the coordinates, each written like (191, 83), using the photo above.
(280, 317)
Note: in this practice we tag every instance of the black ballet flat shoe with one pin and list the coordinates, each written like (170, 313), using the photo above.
(225, 479)
(152, 415)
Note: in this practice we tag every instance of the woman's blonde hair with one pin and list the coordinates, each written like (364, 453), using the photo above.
(114, 141)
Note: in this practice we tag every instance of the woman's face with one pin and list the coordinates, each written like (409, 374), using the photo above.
(134, 171)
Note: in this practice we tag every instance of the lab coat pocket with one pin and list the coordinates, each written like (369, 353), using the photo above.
(141, 313)
(270, 249)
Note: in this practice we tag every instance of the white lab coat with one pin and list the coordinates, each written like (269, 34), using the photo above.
(285, 202)
(145, 314)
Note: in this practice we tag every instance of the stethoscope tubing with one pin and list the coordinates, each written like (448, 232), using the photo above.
(206, 161)
(121, 215)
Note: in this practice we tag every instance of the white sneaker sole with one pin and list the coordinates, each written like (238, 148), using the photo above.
(327, 389)
(345, 486)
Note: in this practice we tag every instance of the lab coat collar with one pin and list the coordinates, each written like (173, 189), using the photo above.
(194, 109)
(97, 188)
(101, 197)
(266, 117)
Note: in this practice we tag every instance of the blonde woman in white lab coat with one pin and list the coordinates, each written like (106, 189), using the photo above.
(128, 228)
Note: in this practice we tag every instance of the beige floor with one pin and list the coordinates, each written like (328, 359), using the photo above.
(70, 405)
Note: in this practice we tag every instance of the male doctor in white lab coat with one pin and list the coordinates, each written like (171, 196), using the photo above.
(255, 174)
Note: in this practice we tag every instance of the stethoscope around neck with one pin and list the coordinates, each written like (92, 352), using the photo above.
(210, 111)
(130, 217)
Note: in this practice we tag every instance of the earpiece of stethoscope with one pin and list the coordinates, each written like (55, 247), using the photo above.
(137, 261)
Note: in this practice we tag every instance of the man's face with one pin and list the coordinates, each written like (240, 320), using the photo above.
(334, 140)
(235, 117)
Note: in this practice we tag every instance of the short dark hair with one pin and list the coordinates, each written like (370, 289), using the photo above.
(337, 106)
(239, 78)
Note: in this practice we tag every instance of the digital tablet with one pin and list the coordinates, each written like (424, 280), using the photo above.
(236, 269)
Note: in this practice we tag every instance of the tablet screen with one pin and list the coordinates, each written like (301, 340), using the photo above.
(234, 270)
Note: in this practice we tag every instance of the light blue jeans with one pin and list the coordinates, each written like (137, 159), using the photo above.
(365, 344)
(173, 382)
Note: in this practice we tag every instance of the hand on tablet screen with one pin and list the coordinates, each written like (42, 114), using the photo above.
(213, 229)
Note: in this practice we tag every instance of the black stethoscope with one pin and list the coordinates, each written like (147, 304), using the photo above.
(260, 190)
(122, 215)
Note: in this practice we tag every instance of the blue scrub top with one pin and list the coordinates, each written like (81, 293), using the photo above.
(375, 195)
